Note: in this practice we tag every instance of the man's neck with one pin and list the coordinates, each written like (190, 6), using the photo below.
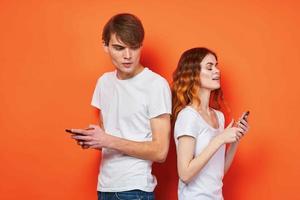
(124, 76)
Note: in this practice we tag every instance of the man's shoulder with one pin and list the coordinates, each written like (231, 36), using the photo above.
(106, 76)
(155, 78)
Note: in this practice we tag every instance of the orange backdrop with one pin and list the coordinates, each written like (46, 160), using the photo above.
(51, 57)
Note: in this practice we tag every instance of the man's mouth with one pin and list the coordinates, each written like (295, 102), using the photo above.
(127, 65)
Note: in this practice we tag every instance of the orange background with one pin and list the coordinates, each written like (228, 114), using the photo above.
(51, 57)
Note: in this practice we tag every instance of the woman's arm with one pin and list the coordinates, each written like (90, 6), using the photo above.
(231, 150)
(188, 165)
(230, 153)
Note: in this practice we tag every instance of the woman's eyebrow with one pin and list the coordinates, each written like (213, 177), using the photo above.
(211, 63)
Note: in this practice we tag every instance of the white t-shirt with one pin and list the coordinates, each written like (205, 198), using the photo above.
(127, 107)
(207, 184)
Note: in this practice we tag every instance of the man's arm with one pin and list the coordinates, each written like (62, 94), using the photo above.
(155, 150)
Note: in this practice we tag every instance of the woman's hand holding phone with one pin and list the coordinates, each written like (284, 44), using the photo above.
(243, 122)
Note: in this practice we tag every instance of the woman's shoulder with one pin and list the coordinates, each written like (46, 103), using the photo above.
(188, 110)
(188, 114)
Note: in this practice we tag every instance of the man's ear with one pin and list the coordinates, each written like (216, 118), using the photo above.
(105, 47)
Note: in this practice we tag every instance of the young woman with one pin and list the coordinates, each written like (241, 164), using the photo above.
(199, 132)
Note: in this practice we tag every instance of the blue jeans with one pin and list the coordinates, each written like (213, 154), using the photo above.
(127, 195)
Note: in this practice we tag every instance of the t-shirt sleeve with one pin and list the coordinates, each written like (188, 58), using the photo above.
(160, 101)
(96, 99)
(186, 124)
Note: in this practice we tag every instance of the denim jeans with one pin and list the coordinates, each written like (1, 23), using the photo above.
(126, 195)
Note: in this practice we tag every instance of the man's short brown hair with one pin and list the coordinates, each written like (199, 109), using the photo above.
(127, 27)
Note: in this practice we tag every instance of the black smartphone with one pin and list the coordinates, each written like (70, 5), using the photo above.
(68, 130)
(245, 115)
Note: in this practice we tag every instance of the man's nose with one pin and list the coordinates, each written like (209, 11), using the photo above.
(127, 53)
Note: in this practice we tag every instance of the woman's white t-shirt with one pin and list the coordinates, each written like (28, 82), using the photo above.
(207, 185)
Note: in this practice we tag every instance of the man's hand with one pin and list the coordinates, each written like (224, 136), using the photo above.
(92, 137)
(155, 150)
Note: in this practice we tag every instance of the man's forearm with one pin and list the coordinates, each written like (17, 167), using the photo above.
(148, 150)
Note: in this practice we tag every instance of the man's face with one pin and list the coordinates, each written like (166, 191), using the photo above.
(126, 59)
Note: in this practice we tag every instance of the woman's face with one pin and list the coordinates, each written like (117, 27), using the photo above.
(209, 73)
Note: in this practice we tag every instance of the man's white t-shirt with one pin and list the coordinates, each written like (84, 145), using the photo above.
(207, 184)
(127, 107)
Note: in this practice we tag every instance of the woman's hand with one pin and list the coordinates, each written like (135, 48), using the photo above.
(231, 134)
(243, 124)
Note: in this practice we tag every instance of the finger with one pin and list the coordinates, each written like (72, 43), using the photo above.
(85, 146)
(236, 138)
(240, 135)
(82, 137)
(92, 126)
(230, 124)
(242, 127)
(91, 143)
(89, 128)
(80, 131)
(244, 122)
(239, 129)
(95, 147)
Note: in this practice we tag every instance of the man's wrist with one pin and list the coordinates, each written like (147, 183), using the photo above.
(107, 141)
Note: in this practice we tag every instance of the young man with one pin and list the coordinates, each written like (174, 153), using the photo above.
(135, 105)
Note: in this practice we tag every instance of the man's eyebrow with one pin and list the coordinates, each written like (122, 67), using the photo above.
(117, 45)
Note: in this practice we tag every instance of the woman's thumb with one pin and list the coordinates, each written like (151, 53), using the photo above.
(230, 124)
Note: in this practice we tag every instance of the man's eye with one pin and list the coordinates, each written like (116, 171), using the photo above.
(119, 48)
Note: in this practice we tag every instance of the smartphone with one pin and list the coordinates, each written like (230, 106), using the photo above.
(245, 115)
(69, 131)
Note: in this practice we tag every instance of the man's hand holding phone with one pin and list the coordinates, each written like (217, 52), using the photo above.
(91, 137)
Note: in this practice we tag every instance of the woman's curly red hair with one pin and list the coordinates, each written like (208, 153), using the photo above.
(186, 81)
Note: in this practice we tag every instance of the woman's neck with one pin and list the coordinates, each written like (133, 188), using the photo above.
(204, 101)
